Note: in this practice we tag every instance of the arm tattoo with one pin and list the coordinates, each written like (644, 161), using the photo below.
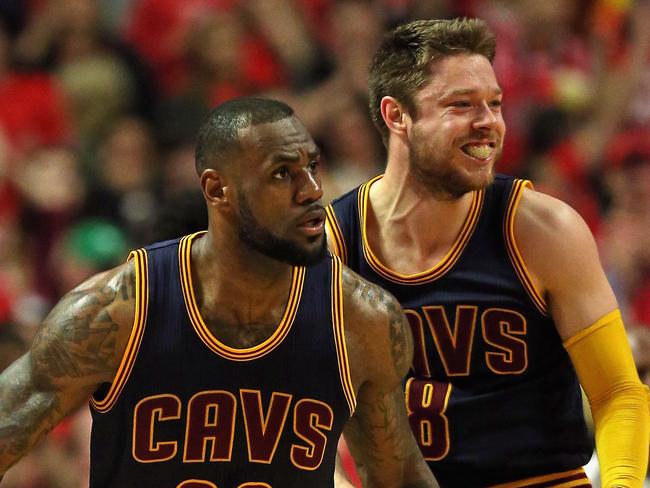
(78, 338)
(401, 338)
(68, 346)
(381, 442)
(74, 351)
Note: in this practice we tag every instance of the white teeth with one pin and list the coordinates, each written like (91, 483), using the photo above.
(481, 151)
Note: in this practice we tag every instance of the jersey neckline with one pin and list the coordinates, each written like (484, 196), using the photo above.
(215, 345)
(439, 268)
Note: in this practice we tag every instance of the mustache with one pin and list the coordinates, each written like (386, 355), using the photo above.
(314, 207)
(493, 136)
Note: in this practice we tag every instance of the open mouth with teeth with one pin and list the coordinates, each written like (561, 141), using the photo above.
(479, 151)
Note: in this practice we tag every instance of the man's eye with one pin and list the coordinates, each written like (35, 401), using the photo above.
(280, 173)
(313, 166)
(496, 103)
(461, 104)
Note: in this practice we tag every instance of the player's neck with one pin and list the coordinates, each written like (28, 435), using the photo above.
(230, 270)
(400, 218)
(397, 199)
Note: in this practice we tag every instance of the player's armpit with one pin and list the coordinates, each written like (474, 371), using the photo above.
(603, 361)
(78, 347)
(381, 442)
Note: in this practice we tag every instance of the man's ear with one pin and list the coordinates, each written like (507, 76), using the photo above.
(395, 115)
(214, 186)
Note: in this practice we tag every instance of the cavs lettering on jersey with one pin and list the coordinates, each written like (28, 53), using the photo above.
(187, 411)
(492, 396)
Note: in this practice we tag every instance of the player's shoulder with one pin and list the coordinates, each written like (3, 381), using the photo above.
(95, 320)
(545, 217)
(168, 243)
(370, 305)
(115, 287)
(552, 238)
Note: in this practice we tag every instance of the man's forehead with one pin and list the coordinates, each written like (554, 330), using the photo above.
(285, 133)
(461, 74)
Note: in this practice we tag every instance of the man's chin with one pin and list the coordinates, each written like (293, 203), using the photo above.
(477, 180)
(301, 255)
(312, 254)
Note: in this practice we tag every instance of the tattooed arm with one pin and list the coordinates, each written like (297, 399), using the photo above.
(380, 350)
(78, 347)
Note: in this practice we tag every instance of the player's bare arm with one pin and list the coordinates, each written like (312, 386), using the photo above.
(78, 347)
(380, 348)
(562, 259)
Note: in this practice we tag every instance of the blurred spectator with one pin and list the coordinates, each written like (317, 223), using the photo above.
(32, 109)
(52, 192)
(102, 76)
(161, 30)
(626, 237)
(572, 165)
(354, 151)
(87, 248)
(181, 213)
(214, 53)
(179, 173)
(124, 176)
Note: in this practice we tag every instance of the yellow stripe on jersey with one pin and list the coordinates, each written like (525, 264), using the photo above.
(335, 235)
(338, 324)
(513, 251)
(438, 269)
(245, 354)
(565, 479)
(139, 258)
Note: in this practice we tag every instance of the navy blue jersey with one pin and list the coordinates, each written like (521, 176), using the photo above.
(187, 411)
(492, 396)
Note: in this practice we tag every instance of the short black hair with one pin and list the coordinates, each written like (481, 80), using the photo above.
(219, 134)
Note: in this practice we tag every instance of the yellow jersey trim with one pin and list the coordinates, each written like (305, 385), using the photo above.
(565, 479)
(334, 231)
(513, 251)
(439, 269)
(338, 324)
(245, 354)
(139, 258)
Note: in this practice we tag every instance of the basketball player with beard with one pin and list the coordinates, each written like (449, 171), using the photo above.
(502, 286)
(231, 358)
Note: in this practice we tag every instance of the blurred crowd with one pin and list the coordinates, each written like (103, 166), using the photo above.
(100, 101)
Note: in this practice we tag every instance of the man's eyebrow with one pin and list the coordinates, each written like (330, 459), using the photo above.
(284, 156)
(467, 91)
(293, 156)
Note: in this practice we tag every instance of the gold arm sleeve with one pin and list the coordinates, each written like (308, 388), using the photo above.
(602, 359)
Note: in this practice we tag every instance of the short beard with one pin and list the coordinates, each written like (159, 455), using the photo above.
(262, 240)
(439, 179)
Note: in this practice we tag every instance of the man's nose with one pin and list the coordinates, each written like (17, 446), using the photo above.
(310, 188)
